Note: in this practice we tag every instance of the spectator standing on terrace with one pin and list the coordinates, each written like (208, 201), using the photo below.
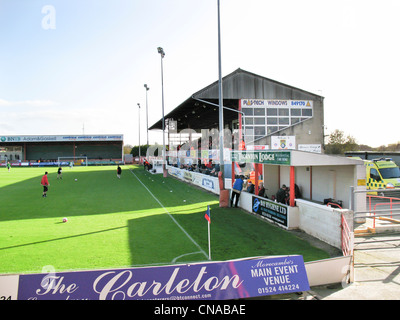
(236, 190)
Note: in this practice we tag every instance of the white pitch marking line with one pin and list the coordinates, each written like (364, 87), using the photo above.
(173, 219)
(183, 255)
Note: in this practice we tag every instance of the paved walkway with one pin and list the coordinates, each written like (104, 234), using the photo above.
(376, 272)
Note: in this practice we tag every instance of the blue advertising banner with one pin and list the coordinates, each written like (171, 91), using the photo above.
(203, 281)
(272, 210)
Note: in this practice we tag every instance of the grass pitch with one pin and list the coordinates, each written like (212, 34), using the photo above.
(140, 219)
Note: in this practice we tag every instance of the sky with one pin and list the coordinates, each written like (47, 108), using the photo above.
(73, 66)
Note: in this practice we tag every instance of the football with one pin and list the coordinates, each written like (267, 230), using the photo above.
(65, 219)
(76, 179)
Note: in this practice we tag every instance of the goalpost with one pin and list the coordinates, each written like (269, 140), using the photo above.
(77, 161)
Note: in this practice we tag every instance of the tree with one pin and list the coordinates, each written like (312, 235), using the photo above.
(127, 149)
(143, 150)
(339, 144)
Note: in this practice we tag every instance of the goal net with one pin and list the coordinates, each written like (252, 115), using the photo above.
(76, 161)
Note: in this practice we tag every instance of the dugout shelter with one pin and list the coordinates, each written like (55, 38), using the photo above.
(29, 150)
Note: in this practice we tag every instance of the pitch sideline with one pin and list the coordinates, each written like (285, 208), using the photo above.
(169, 214)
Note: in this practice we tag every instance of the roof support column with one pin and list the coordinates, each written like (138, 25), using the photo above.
(311, 182)
(257, 169)
(240, 138)
(292, 182)
(233, 172)
(221, 107)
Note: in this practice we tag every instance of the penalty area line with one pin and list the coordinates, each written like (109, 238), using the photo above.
(169, 214)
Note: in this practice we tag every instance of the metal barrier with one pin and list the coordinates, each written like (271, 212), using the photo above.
(347, 238)
(333, 204)
(379, 213)
(369, 211)
(392, 201)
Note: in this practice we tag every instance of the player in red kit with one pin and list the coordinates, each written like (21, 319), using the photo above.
(45, 183)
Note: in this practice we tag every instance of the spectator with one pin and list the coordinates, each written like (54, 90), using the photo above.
(250, 187)
(281, 195)
(236, 190)
(261, 191)
(297, 192)
(214, 173)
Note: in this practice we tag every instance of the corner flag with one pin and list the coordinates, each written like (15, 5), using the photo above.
(208, 215)
(208, 218)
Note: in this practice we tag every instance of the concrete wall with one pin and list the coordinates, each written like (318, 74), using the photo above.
(271, 180)
(322, 222)
(334, 270)
(332, 182)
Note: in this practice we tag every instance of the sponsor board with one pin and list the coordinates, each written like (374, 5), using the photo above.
(234, 279)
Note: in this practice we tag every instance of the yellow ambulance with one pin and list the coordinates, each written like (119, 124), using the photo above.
(382, 173)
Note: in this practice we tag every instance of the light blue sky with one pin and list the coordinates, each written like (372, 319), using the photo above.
(90, 70)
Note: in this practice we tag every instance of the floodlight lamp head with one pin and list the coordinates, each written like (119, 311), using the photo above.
(138, 105)
(161, 51)
(147, 88)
